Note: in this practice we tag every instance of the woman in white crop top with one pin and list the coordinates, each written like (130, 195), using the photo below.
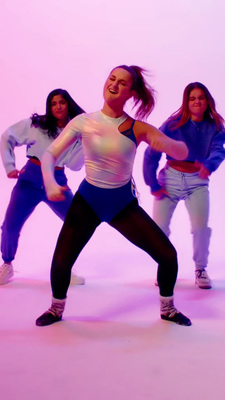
(110, 138)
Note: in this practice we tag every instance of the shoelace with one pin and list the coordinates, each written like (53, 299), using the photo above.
(201, 274)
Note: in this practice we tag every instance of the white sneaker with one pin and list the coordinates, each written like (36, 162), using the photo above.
(6, 273)
(202, 279)
(76, 280)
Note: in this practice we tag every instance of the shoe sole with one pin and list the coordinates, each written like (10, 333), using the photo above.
(178, 319)
(47, 319)
(203, 286)
(74, 282)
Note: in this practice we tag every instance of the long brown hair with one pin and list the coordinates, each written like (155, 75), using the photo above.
(144, 93)
(182, 115)
(49, 123)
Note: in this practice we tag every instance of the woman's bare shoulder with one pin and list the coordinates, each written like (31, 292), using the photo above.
(142, 129)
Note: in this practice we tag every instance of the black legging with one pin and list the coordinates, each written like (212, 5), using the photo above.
(132, 222)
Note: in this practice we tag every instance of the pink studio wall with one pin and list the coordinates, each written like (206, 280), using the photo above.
(47, 44)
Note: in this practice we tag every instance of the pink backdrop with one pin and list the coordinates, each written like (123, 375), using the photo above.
(73, 45)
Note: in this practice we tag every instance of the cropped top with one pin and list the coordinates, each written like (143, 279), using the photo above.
(108, 153)
(205, 144)
(36, 140)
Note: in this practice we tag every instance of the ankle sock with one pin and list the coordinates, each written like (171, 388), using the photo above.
(57, 307)
(170, 313)
(167, 307)
(54, 313)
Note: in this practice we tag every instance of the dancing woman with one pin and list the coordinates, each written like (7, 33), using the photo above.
(110, 138)
(37, 133)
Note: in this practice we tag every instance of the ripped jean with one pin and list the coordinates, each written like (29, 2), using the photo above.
(194, 191)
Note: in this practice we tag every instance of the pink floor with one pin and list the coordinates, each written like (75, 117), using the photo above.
(111, 343)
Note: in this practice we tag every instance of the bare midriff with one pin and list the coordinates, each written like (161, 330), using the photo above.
(183, 166)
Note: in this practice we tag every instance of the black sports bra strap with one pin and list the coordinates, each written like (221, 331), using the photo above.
(132, 125)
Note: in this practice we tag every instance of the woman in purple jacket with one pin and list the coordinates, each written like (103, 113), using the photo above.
(199, 125)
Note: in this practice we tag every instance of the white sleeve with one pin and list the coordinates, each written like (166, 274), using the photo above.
(73, 158)
(15, 135)
(68, 137)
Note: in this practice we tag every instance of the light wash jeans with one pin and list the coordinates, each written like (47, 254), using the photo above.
(194, 191)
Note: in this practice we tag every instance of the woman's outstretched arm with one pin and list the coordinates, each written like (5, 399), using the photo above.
(160, 142)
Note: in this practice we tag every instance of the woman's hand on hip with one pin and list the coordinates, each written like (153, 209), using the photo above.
(54, 192)
(203, 172)
(15, 174)
(159, 194)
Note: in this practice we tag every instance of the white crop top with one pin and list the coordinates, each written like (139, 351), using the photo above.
(108, 154)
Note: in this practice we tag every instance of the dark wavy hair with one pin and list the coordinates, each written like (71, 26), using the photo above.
(182, 115)
(144, 93)
(49, 123)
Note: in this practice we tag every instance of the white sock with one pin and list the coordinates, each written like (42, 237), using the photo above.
(166, 306)
(57, 307)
